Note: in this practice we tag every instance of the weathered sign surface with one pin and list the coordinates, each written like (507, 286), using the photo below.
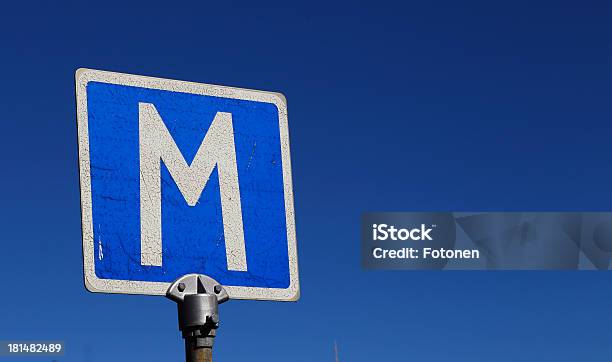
(180, 177)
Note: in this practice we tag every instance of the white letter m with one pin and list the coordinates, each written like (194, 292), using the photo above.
(217, 148)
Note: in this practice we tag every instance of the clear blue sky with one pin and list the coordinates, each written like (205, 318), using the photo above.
(428, 105)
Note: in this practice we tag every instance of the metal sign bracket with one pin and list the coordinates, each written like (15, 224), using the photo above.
(197, 297)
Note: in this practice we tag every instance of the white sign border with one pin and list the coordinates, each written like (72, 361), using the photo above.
(94, 284)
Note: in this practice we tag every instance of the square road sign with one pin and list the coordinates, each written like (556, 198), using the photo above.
(179, 178)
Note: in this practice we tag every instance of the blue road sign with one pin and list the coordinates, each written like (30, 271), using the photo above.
(180, 177)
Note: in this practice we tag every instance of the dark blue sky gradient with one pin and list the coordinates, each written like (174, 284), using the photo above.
(430, 105)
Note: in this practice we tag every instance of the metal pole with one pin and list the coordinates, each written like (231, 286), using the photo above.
(197, 297)
(197, 354)
(336, 351)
